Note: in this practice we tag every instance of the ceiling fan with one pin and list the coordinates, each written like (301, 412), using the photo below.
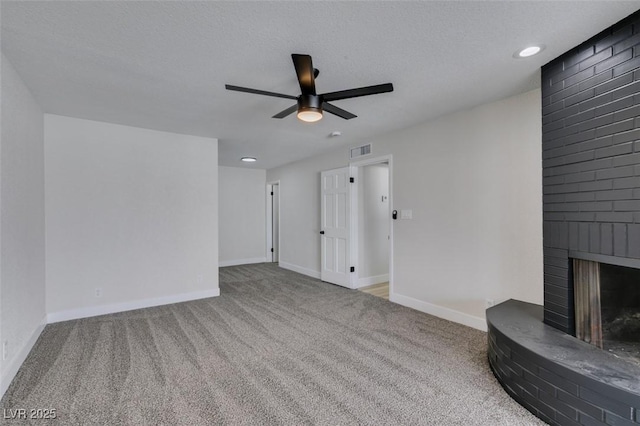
(311, 105)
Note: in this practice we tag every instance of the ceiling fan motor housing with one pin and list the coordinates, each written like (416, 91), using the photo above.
(309, 103)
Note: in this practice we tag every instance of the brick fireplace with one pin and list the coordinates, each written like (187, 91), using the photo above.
(591, 230)
(591, 162)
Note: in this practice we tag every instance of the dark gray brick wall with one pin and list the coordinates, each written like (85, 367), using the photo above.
(590, 158)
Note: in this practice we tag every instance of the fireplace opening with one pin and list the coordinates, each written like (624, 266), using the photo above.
(620, 309)
(607, 307)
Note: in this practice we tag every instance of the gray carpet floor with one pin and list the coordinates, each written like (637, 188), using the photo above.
(275, 348)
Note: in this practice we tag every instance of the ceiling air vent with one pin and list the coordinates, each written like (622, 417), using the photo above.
(361, 150)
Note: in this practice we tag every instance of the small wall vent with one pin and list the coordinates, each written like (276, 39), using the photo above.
(361, 150)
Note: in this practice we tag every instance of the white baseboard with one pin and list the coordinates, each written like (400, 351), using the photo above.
(14, 364)
(222, 263)
(93, 311)
(366, 281)
(299, 269)
(440, 311)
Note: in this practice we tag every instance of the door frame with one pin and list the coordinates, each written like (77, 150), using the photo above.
(269, 220)
(353, 170)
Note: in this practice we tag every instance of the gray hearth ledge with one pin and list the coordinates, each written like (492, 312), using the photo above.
(559, 378)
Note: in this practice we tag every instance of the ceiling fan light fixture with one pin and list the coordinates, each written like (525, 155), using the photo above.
(309, 115)
(309, 108)
(310, 105)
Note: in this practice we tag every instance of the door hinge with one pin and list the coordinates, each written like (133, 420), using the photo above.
(352, 179)
(272, 193)
(353, 269)
(271, 249)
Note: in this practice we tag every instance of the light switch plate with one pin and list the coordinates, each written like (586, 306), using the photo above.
(406, 214)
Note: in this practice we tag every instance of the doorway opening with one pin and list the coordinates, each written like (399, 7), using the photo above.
(356, 236)
(273, 222)
(372, 226)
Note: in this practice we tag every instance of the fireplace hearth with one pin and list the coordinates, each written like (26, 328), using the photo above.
(559, 378)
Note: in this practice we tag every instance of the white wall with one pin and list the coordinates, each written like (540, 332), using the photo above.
(473, 181)
(22, 259)
(300, 210)
(130, 211)
(241, 206)
(373, 224)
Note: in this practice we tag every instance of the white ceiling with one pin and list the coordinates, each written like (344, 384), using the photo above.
(163, 65)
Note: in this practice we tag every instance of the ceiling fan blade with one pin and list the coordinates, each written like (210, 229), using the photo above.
(305, 72)
(361, 91)
(258, 92)
(337, 111)
(284, 113)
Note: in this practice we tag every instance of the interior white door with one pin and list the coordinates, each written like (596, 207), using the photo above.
(335, 227)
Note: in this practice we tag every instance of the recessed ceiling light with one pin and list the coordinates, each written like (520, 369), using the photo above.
(249, 159)
(528, 51)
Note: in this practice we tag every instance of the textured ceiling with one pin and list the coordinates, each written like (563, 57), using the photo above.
(163, 65)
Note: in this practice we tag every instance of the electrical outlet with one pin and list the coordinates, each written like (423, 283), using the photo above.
(5, 350)
(490, 302)
(98, 291)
